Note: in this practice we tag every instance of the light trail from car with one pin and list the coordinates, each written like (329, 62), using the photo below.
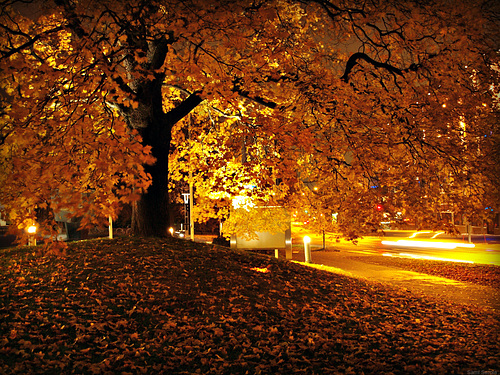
(428, 244)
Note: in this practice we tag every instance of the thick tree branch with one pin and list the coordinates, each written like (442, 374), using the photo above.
(175, 115)
(159, 50)
(353, 60)
(257, 99)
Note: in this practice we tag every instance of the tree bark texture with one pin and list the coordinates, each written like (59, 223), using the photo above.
(151, 214)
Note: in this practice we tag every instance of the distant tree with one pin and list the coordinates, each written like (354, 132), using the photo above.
(348, 105)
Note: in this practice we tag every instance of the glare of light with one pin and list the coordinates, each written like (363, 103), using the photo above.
(437, 234)
(440, 245)
(307, 239)
(171, 230)
(428, 257)
(421, 232)
(261, 270)
(32, 229)
(241, 201)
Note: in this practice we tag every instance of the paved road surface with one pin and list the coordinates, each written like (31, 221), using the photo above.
(437, 287)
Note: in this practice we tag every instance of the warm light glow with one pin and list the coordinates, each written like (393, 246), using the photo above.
(32, 229)
(437, 234)
(307, 239)
(421, 232)
(427, 257)
(171, 230)
(440, 245)
(241, 201)
(262, 270)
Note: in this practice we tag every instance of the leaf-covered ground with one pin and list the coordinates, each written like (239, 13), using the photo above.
(482, 274)
(168, 306)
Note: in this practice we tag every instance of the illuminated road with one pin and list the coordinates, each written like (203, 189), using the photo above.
(423, 245)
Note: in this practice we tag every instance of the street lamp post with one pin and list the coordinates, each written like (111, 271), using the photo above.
(191, 198)
(187, 199)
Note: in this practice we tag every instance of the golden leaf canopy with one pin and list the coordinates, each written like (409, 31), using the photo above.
(328, 108)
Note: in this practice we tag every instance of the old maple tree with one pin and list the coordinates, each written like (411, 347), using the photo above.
(330, 107)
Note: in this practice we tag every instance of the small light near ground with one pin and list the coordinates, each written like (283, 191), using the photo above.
(171, 230)
(307, 249)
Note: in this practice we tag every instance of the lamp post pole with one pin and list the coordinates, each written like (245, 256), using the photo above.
(191, 220)
(191, 198)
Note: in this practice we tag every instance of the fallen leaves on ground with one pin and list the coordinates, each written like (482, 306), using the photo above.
(135, 305)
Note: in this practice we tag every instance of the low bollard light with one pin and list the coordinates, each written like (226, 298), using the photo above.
(31, 235)
(307, 249)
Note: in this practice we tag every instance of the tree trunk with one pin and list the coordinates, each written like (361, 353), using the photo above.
(151, 214)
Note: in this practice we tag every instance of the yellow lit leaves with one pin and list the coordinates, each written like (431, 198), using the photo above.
(275, 104)
(84, 167)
